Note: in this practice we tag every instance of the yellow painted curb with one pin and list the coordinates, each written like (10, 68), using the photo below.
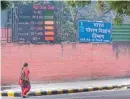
(90, 89)
(38, 93)
(10, 94)
(110, 87)
(100, 88)
(80, 90)
(49, 92)
(60, 91)
(70, 90)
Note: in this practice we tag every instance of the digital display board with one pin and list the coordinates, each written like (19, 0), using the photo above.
(36, 23)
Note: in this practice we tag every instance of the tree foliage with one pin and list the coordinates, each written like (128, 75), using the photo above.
(74, 7)
(119, 7)
(5, 5)
(74, 3)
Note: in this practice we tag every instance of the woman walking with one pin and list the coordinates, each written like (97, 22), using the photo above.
(24, 81)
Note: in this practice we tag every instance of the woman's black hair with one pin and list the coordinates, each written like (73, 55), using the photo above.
(25, 65)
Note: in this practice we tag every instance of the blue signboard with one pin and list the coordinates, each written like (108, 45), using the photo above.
(94, 31)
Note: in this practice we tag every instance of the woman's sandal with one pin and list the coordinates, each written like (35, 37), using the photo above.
(24, 96)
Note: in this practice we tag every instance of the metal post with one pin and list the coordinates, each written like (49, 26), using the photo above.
(16, 23)
(13, 31)
(12, 22)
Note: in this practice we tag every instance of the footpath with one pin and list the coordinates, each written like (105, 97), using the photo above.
(67, 87)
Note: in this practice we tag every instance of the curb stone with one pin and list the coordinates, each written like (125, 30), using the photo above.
(61, 91)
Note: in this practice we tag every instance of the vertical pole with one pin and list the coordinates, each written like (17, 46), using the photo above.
(8, 25)
(16, 24)
(11, 24)
(61, 20)
(12, 12)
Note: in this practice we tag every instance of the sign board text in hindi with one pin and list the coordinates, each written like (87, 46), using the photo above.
(94, 31)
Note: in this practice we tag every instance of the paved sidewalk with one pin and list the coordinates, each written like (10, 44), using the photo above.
(66, 87)
(70, 85)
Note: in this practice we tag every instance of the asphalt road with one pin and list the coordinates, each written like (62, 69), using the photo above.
(118, 94)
